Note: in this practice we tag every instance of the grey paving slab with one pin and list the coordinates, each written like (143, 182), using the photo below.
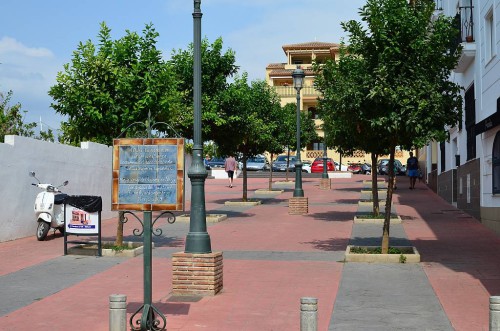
(365, 195)
(386, 297)
(284, 256)
(371, 235)
(21, 288)
(367, 208)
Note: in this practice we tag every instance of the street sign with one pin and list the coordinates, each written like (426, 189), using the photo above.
(148, 174)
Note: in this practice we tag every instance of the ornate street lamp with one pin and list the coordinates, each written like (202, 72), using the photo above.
(298, 82)
(198, 239)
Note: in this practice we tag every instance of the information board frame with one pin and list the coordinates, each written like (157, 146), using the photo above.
(143, 194)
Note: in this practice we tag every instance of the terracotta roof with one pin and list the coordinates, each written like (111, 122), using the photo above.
(310, 45)
(276, 66)
(288, 72)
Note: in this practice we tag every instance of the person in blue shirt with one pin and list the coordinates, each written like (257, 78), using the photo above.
(412, 168)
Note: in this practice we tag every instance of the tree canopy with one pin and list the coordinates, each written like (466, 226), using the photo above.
(391, 84)
(252, 116)
(113, 84)
(217, 67)
(12, 119)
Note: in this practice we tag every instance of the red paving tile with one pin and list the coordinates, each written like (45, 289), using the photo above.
(459, 256)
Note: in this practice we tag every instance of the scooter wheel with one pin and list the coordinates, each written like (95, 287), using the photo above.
(42, 230)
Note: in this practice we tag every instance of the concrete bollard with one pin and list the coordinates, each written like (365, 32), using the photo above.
(117, 312)
(495, 313)
(308, 314)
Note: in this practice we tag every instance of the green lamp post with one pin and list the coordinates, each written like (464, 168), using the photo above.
(198, 239)
(298, 81)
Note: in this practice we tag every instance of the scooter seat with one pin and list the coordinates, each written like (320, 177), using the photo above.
(59, 198)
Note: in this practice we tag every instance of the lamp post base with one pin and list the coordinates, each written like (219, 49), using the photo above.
(197, 274)
(325, 184)
(298, 206)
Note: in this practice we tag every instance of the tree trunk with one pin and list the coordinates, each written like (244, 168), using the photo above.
(245, 187)
(271, 174)
(388, 204)
(376, 205)
(119, 229)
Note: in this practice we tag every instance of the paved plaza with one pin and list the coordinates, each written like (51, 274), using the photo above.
(271, 260)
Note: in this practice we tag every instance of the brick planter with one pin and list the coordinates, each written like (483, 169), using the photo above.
(325, 184)
(298, 206)
(197, 274)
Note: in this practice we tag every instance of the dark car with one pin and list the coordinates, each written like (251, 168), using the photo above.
(281, 162)
(383, 167)
(216, 162)
(366, 168)
(317, 165)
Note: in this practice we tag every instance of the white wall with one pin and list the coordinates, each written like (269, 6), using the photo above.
(88, 170)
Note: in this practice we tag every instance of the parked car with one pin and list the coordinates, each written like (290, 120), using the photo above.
(257, 163)
(216, 162)
(355, 168)
(360, 168)
(383, 167)
(338, 167)
(366, 168)
(306, 166)
(317, 165)
(280, 164)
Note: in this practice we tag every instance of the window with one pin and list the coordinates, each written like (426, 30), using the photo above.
(470, 122)
(318, 146)
(442, 146)
(489, 36)
(496, 164)
(314, 113)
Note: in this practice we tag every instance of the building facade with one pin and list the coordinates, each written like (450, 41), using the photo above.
(465, 170)
(279, 75)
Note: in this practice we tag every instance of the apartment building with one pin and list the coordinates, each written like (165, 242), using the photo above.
(465, 170)
(279, 75)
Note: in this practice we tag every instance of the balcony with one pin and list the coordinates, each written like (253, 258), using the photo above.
(465, 24)
(289, 91)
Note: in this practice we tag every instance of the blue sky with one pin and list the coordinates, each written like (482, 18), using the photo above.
(38, 37)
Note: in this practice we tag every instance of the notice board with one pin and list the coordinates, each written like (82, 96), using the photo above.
(148, 174)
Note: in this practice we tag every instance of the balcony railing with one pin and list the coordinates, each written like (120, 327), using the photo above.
(289, 91)
(438, 4)
(466, 22)
(310, 91)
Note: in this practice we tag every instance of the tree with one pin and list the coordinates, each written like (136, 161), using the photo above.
(111, 85)
(287, 134)
(346, 111)
(217, 68)
(12, 119)
(251, 114)
(404, 60)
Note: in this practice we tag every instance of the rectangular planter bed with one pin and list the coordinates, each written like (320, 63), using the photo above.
(410, 253)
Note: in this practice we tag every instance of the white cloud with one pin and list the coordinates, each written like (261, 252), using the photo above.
(10, 45)
(29, 73)
(259, 44)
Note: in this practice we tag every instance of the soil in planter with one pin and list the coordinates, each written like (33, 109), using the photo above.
(377, 250)
(371, 216)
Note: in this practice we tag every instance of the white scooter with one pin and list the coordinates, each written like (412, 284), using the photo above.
(49, 208)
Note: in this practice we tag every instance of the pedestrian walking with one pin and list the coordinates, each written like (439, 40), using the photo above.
(230, 166)
(412, 168)
(207, 159)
